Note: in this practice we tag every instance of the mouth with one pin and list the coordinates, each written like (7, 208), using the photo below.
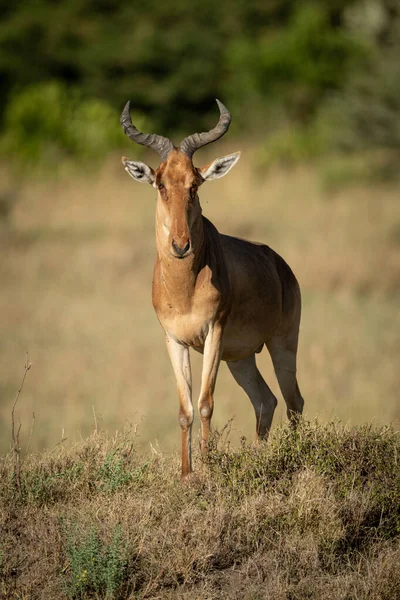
(182, 256)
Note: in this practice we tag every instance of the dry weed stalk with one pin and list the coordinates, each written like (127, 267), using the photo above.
(15, 434)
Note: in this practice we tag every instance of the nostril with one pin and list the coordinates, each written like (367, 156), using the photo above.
(178, 249)
(175, 247)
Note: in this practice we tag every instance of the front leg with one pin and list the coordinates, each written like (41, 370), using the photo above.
(211, 360)
(180, 359)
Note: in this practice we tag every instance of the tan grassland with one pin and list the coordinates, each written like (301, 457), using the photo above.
(75, 292)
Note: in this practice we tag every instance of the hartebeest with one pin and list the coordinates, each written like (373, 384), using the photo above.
(220, 295)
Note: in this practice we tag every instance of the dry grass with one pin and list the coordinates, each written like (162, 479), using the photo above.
(75, 292)
(312, 514)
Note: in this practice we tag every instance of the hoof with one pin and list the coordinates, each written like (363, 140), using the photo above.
(191, 479)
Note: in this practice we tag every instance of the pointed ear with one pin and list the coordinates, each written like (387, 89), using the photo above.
(219, 167)
(139, 171)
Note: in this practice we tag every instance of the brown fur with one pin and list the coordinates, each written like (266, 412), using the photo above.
(225, 298)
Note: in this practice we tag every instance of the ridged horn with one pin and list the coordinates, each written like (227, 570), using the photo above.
(193, 142)
(160, 144)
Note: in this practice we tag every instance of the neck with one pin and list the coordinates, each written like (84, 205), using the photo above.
(179, 275)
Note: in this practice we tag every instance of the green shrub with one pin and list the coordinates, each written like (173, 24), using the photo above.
(294, 66)
(45, 485)
(95, 566)
(114, 472)
(46, 124)
(366, 111)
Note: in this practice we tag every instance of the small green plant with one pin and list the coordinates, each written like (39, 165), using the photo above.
(96, 567)
(46, 486)
(113, 473)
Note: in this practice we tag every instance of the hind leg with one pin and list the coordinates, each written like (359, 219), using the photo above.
(263, 400)
(283, 351)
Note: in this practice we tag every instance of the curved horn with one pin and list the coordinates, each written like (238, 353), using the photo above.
(193, 142)
(160, 144)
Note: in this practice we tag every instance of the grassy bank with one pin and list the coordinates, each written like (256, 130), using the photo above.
(312, 514)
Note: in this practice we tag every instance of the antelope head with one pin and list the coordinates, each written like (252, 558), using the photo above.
(177, 180)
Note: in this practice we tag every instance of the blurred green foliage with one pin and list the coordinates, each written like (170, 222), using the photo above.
(48, 122)
(368, 110)
(296, 65)
(67, 69)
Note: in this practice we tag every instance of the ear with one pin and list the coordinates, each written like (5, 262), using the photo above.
(139, 171)
(219, 167)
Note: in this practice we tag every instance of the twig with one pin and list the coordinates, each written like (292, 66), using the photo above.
(15, 434)
(94, 418)
(30, 435)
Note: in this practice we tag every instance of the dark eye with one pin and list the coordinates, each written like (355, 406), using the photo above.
(161, 186)
(193, 189)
